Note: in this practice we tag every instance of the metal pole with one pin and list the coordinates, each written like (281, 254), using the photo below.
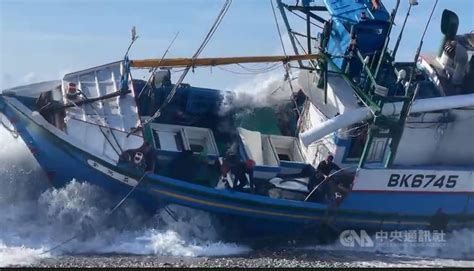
(308, 32)
(366, 150)
(395, 49)
(405, 112)
(387, 38)
(288, 29)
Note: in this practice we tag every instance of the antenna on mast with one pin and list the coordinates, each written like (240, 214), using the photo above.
(126, 63)
(134, 38)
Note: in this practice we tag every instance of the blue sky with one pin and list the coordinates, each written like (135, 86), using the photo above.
(43, 39)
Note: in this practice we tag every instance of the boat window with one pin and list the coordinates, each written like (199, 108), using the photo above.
(157, 140)
(364, 30)
(196, 147)
(426, 89)
(284, 157)
(179, 141)
(377, 150)
(357, 142)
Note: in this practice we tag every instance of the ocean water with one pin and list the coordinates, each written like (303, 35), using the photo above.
(34, 218)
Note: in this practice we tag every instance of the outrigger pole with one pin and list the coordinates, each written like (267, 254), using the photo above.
(185, 62)
(180, 62)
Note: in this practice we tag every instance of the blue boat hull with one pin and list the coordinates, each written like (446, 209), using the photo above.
(241, 214)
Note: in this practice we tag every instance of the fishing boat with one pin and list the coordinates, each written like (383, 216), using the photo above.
(400, 133)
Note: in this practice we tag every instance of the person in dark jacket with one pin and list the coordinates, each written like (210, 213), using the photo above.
(326, 166)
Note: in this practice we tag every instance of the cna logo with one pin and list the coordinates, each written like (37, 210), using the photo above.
(349, 238)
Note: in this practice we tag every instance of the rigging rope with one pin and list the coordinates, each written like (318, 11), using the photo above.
(303, 18)
(108, 214)
(104, 124)
(208, 37)
(269, 67)
(93, 123)
(285, 65)
(250, 72)
(278, 27)
(325, 179)
(153, 71)
(167, 209)
(126, 196)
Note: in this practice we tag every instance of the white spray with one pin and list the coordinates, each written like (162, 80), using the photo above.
(264, 90)
(35, 217)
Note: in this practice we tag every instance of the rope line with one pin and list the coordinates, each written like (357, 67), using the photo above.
(153, 71)
(249, 72)
(104, 125)
(278, 27)
(208, 37)
(325, 179)
(304, 19)
(108, 214)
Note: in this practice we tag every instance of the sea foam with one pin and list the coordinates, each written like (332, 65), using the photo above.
(35, 217)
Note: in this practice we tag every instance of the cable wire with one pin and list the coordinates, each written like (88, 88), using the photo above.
(304, 19)
(153, 71)
(278, 27)
(208, 37)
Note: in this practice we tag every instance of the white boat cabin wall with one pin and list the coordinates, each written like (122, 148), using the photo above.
(431, 138)
(101, 126)
(170, 140)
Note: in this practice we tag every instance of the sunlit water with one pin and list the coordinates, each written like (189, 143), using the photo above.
(35, 218)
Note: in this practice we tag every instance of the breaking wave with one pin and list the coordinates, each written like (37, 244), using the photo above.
(265, 90)
(35, 218)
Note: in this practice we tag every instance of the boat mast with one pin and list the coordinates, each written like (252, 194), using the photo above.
(370, 87)
(288, 29)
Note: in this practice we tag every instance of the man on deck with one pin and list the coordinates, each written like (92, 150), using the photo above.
(326, 166)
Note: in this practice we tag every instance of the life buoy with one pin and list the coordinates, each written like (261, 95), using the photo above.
(72, 91)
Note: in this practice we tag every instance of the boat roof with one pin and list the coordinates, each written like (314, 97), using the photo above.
(350, 10)
(34, 89)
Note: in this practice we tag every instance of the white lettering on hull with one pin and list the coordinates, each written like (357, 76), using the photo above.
(407, 180)
(117, 176)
